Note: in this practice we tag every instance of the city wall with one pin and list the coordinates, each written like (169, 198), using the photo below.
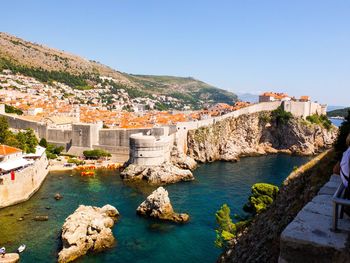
(26, 183)
(84, 136)
(183, 127)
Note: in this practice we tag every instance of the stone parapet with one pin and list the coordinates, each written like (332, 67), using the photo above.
(308, 238)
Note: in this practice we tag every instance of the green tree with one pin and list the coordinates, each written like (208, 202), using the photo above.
(262, 195)
(96, 154)
(281, 116)
(31, 141)
(43, 143)
(4, 129)
(12, 109)
(226, 229)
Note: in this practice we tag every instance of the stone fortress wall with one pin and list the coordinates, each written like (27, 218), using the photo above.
(26, 183)
(82, 136)
(148, 150)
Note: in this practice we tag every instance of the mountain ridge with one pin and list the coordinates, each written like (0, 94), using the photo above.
(16, 52)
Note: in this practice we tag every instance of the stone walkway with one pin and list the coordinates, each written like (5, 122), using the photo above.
(308, 238)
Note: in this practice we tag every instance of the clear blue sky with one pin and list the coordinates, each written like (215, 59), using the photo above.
(299, 46)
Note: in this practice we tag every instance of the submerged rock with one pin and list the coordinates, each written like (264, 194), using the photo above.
(158, 174)
(41, 218)
(87, 229)
(157, 205)
(58, 196)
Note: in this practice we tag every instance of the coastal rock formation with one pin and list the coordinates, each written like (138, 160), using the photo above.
(257, 134)
(157, 205)
(87, 229)
(181, 160)
(158, 174)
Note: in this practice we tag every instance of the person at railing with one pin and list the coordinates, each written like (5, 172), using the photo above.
(345, 165)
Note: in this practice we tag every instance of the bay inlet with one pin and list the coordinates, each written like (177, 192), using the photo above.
(140, 239)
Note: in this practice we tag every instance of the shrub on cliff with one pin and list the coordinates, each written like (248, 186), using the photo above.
(261, 197)
(281, 116)
(226, 229)
(321, 120)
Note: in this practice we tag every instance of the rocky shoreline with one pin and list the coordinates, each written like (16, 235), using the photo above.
(165, 173)
(257, 134)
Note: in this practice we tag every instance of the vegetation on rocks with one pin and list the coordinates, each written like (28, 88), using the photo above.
(261, 198)
(320, 120)
(260, 242)
(281, 116)
(45, 75)
(226, 230)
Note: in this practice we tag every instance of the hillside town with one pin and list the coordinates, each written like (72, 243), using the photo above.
(60, 104)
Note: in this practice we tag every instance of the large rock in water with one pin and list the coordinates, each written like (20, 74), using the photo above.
(157, 174)
(87, 229)
(157, 205)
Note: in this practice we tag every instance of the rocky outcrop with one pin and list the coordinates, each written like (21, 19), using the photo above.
(10, 258)
(181, 160)
(158, 174)
(257, 134)
(157, 205)
(260, 242)
(87, 229)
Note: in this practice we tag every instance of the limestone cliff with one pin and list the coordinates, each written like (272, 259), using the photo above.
(256, 134)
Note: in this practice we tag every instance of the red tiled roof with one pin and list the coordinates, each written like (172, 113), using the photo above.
(7, 150)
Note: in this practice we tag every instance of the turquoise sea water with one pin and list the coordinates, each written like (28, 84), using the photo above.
(141, 239)
(336, 122)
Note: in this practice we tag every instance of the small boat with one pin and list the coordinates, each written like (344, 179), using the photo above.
(21, 248)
